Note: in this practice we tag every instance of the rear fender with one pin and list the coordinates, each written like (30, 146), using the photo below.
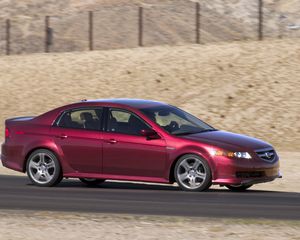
(49, 145)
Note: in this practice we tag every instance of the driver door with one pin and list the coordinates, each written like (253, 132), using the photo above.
(126, 152)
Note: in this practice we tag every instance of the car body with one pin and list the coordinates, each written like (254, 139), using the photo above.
(136, 140)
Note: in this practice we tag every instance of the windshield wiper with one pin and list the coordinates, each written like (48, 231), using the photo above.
(188, 133)
(185, 133)
(208, 130)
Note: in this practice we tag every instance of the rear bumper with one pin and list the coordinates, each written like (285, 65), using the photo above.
(8, 159)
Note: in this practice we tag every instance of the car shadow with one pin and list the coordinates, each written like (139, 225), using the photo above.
(70, 183)
(117, 185)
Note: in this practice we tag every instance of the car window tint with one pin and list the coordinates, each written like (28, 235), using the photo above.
(89, 119)
(121, 121)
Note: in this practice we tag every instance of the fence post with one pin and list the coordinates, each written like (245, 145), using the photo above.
(91, 31)
(141, 26)
(260, 20)
(48, 34)
(198, 23)
(7, 37)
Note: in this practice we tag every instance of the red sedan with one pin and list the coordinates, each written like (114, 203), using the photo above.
(134, 140)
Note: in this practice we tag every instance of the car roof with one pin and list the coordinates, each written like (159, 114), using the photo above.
(48, 117)
(134, 103)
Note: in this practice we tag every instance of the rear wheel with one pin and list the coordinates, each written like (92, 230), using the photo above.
(238, 188)
(43, 168)
(192, 173)
(92, 181)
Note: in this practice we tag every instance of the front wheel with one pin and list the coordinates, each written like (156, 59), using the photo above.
(91, 181)
(192, 173)
(43, 168)
(238, 188)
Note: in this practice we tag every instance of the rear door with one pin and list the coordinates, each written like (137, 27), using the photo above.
(126, 152)
(78, 134)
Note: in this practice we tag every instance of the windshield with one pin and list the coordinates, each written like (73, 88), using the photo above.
(176, 121)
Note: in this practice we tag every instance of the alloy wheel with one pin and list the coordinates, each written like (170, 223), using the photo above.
(43, 168)
(191, 173)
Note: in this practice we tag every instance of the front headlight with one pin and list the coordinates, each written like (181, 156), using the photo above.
(224, 153)
(242, 155)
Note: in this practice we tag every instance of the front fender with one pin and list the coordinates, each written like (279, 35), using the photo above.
(174, 154)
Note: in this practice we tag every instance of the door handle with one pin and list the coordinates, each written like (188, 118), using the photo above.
(62, 136)
(111, 141)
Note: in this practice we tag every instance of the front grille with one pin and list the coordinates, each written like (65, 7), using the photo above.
(256, 174)
(267, 154)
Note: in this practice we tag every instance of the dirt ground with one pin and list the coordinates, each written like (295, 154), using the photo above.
(28, 225)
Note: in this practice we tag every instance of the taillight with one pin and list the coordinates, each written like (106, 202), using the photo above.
(7, 133)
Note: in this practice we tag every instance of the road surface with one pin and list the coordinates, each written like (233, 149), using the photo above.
(133, 198)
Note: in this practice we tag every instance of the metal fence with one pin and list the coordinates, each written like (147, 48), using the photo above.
(147, 25)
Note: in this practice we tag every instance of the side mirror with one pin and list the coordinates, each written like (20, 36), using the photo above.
(149, 134)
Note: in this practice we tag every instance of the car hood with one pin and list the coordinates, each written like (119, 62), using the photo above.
(225, 139)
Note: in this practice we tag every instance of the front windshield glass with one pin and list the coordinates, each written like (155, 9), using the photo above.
(176, 121)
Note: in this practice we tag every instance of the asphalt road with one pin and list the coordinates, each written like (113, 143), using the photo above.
(132, 198)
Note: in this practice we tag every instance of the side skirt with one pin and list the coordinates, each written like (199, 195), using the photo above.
(116, 177)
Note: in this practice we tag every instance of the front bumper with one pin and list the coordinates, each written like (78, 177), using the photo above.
(245, 171)
(241, 181)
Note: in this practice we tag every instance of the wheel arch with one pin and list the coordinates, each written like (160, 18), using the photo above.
(197, 153)
(37, 148)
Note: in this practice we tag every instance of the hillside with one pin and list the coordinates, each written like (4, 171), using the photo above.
(250, 87)
(165, 22)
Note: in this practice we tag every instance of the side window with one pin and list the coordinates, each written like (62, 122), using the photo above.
(121, 121)
(89, 119)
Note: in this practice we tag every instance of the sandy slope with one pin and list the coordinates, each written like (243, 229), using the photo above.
(250, 87)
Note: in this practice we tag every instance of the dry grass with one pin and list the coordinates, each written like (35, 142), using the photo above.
(250, 88)
(31, 225)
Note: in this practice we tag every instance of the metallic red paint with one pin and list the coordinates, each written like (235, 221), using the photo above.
(108, 155)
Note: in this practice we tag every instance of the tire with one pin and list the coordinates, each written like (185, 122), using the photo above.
(43, 168)
(92, 181)
(238, 188)
(192, 173)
